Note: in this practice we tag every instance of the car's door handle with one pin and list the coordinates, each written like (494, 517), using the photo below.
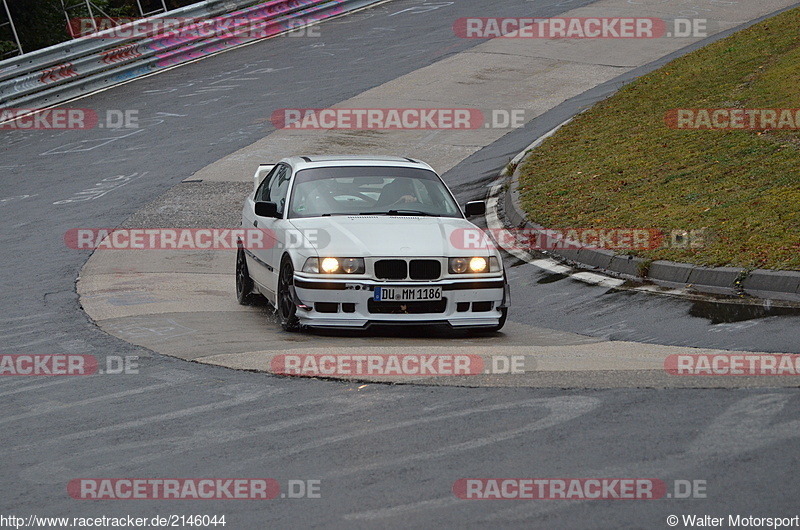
(255, 223)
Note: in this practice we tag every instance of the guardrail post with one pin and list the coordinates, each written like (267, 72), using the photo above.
(157, 11)
(13, 28)
(89, 5)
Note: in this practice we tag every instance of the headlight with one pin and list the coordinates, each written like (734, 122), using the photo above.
(459, 265)
(330, 265)
(478, 265)
(474, 265)
(352, 265)
(334, 266)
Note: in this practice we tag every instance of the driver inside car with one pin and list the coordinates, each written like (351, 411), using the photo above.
(399, 191)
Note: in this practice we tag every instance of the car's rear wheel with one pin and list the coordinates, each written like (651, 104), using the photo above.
(287, 308)
(244, 284)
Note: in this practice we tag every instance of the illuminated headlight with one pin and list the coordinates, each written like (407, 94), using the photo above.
(474, 265)
(478, 265)
(330, 265)
(334, 266)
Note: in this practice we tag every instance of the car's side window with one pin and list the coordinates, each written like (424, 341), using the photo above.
(279, 188)
(262, 193)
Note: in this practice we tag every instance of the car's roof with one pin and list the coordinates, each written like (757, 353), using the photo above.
(315, 161)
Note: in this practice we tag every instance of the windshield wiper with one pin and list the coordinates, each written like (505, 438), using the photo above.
(402, 212)
(412, 212)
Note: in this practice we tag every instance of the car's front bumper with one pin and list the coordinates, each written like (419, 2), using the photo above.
(467, 303)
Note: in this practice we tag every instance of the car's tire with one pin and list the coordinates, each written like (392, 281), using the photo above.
(244, 284)
(287, 309)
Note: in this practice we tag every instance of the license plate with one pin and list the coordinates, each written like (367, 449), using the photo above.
(407, 294)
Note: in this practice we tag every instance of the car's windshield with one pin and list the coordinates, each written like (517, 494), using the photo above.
(370, 191)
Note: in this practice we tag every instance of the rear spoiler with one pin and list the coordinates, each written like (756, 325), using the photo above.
(262, 171)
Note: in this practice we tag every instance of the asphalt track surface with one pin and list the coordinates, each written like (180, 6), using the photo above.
(385, 455)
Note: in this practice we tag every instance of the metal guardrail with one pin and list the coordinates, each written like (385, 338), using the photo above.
(73, 49)
(62, 72)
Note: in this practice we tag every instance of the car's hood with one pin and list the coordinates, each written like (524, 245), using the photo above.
(384, 236)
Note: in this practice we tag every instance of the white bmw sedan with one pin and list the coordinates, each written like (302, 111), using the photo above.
(350, 241)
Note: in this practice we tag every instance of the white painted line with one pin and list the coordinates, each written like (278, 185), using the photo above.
(597, 279)
(551, 266)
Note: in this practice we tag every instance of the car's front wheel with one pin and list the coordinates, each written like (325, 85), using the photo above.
(287, 308)
(244, 284)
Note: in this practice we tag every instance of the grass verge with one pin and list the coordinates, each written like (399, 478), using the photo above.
(620, 164)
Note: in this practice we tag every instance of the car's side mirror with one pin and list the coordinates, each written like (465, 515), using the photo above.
(267, 209)
(475, 208)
